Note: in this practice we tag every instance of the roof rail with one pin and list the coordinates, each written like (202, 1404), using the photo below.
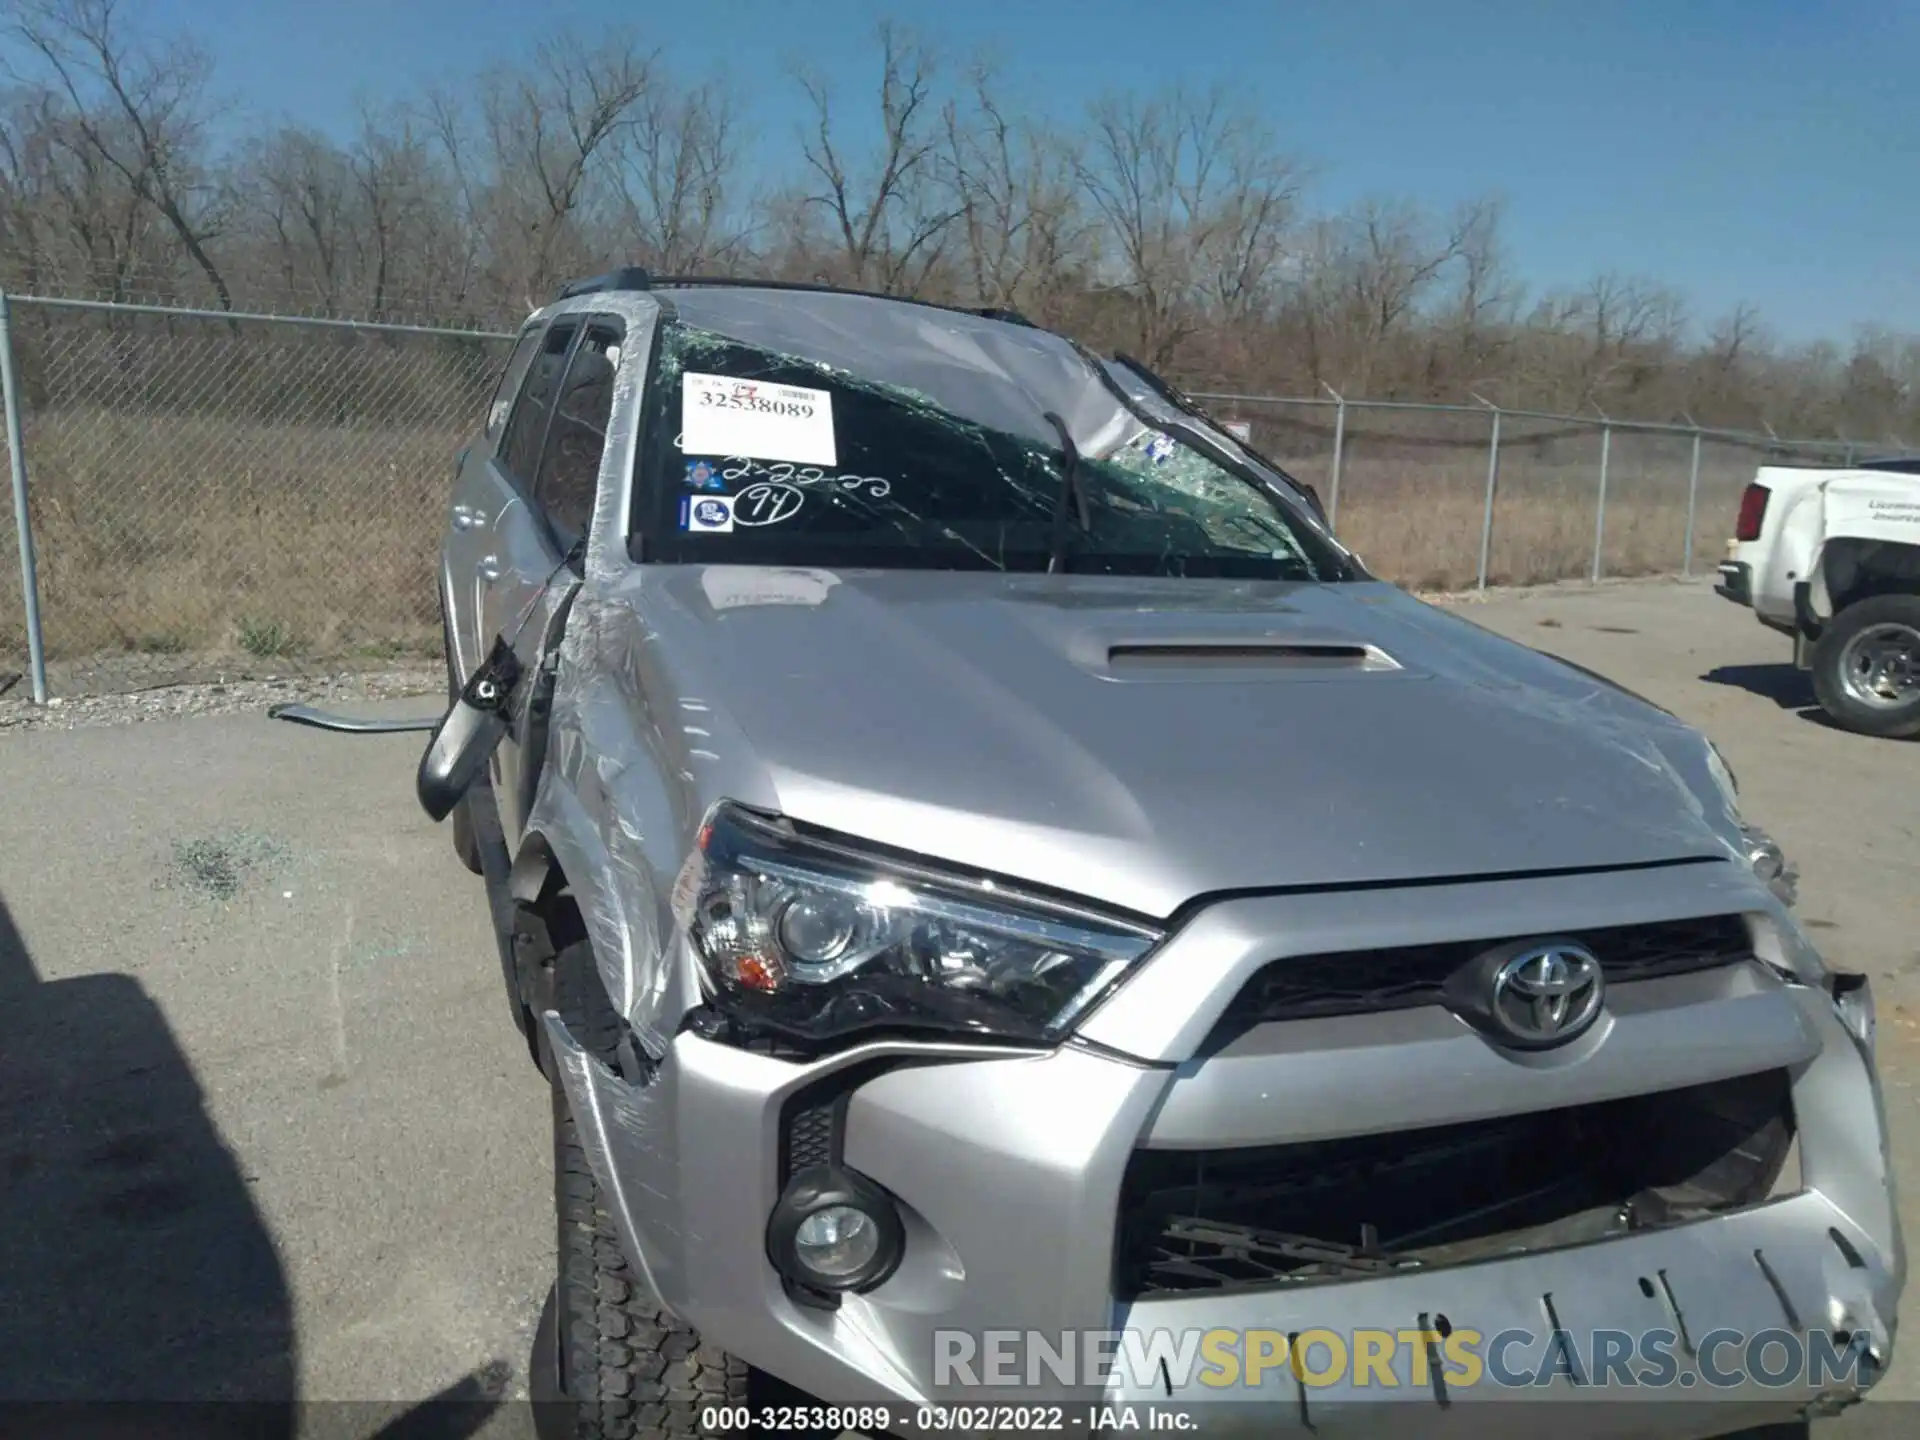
(815, 287)
(633, 277)
(627, 277)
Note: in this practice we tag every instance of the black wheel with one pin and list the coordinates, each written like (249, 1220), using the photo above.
(619, 1366)
(1866, 667)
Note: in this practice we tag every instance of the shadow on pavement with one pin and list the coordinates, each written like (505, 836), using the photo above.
(1785, 686)
(135, 1267)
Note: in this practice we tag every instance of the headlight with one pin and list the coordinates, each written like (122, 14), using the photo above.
(1770, 864)
(816, 941)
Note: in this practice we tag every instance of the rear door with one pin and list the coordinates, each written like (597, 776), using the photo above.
(480, 490)
(540, 534)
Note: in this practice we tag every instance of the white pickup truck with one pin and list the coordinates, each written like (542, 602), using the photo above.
(1831, 557)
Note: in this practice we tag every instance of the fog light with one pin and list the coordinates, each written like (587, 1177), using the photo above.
(837, 1241)
(834, 1230)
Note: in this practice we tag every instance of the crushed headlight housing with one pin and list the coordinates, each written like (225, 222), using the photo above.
(817, 942)
(1770, 864)
(1762, 852)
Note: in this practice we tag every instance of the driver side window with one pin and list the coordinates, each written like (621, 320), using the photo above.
(527, 426)
(509, 386)
(569, 474)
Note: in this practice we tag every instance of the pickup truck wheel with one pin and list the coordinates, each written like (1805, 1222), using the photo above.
(1866, 667)
(609, 1361)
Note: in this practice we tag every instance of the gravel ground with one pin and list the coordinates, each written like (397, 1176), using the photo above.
(18, 712)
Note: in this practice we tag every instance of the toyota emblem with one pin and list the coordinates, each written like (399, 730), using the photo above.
(1547, 994)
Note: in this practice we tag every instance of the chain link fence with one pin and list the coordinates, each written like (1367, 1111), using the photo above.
(211, 495)
(1452, 497)
(226, 496)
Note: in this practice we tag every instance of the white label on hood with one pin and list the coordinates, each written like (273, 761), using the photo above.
(752, 419)
(729, 587)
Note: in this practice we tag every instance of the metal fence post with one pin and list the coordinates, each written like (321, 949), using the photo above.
(1493, 483)
(1600, 508)
(1339, 450)
(1693, 499)
(23, 523)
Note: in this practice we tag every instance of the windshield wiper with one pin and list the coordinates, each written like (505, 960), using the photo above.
(1069, 494)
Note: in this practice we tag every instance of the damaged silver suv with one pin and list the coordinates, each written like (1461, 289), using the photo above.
(976, 858)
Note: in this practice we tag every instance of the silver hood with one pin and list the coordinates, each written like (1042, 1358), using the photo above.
(1087, 734)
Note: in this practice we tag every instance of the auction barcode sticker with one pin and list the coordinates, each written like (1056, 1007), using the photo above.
(750, 418)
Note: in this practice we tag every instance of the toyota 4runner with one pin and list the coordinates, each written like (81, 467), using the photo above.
(972, 853)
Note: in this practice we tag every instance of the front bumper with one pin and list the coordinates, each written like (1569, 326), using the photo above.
(1009, 1169)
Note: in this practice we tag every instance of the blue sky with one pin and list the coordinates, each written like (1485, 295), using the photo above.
(1757, 150)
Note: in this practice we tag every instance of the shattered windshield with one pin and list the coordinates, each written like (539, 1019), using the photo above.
(754, 457)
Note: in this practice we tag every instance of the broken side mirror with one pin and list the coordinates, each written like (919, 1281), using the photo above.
(469, 733)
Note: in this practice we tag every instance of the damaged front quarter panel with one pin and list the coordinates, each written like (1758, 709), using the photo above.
(632, 766)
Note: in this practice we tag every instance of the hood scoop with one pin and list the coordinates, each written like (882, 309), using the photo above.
(1243, 659)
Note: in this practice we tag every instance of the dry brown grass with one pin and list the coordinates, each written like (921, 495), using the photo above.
(1419, 522)
(304, 544)
(171, 535)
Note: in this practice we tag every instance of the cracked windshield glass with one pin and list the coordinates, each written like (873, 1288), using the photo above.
(757, 457)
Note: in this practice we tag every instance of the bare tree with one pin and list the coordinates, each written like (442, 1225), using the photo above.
(1483, 308)
(675, 166)
(450, 130)
(299, 186)
(1021, 229)
(1168, 224)
(890, 218)
(1629, 322)
(1391, 261)
(142, 113)
(1194, 203)
(405, 212)
(548, 129)
(64, 206)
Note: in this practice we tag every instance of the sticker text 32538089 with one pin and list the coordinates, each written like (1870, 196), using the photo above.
(720, 415)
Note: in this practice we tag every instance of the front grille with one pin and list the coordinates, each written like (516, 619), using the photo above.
(1358, 982)
(1316, 1213)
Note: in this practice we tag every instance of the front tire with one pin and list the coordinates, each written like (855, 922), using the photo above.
(624, 1367)
(609, 1363)
(1866, 667)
